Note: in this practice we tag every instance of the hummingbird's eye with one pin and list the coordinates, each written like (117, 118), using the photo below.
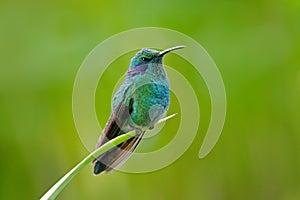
(144, 59)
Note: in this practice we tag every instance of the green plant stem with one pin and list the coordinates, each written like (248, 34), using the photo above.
(59, 186)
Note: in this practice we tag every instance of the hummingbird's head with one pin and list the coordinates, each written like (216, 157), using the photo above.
(145, 58)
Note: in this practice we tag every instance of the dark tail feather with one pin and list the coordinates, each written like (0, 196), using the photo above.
(99, 167)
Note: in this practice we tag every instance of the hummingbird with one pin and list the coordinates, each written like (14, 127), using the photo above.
(140, 102)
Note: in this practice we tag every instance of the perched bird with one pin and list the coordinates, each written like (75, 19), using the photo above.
(139, 103)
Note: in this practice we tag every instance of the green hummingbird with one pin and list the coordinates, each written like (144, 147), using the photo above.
(140, 102)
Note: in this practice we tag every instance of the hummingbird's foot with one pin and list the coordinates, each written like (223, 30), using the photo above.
(151, 127)
(138, 131)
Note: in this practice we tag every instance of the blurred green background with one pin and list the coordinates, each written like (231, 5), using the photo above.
(256, 46)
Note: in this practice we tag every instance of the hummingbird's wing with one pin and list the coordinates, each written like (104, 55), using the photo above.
(121, 113)
(116, 126)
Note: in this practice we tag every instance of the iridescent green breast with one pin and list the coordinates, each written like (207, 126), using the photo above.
(151, 101)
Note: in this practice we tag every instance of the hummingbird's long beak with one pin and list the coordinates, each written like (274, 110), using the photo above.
(169, 50)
